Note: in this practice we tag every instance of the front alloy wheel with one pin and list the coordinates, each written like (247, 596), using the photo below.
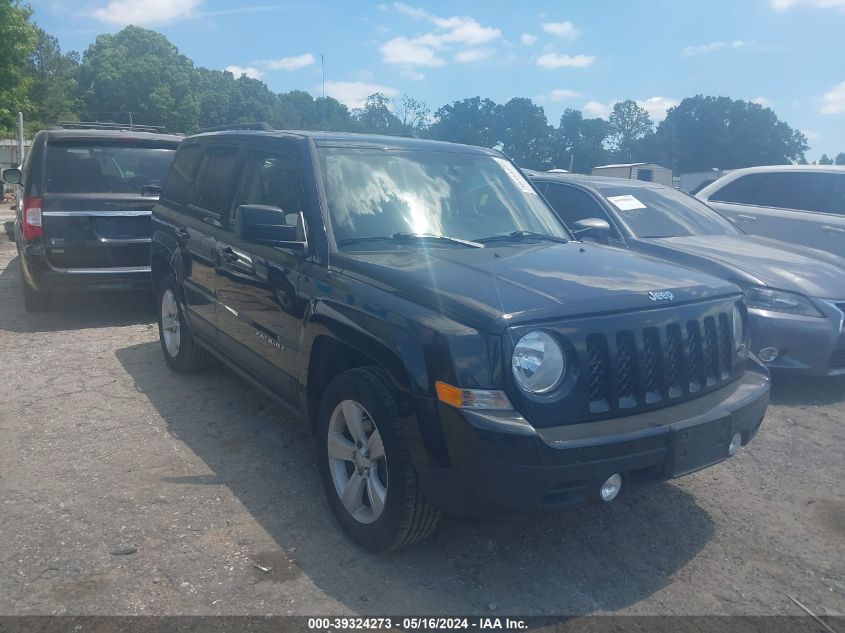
(357, 462)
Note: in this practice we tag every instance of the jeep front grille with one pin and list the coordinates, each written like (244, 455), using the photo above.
(658, 364)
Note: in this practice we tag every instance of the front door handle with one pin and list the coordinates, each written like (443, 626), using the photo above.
(832, 229)
(747, 218)
(229, 255)
(182, 233)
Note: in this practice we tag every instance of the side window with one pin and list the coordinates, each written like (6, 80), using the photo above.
(181, 174)
(572, 204)
(802, 190)
(743, 190)
(272, 179)
(838, 206)
(215, 184)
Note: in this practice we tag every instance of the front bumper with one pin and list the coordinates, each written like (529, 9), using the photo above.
(806, 345)
(503, 464)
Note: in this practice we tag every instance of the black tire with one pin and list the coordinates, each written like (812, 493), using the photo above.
(190, 356)
(34, 300)
(407, 516)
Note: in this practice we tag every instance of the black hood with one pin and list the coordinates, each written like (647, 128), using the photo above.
(491, 288)
(754, 260)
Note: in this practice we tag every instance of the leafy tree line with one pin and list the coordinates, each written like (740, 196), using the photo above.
(139, 73)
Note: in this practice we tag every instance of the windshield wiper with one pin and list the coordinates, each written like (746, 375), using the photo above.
(409, 237)
(517, 236)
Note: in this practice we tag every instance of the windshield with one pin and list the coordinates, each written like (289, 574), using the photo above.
(376, 193)
(665, 212)
(98, 168)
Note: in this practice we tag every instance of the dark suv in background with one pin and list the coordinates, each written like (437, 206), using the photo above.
(451, 345)
(83, 209)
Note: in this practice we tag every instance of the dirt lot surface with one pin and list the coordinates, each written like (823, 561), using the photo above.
(127, 489)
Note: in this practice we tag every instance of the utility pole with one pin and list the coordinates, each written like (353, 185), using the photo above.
(21, 150)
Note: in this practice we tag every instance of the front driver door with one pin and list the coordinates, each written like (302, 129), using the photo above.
(259, 309)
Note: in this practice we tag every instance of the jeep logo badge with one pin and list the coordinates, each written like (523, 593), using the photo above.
(661, 296)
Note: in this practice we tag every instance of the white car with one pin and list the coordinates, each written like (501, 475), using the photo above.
(801, 204)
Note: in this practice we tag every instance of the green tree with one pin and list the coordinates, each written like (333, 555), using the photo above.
(579, 143)
(840, 158)
(412, 114)
(470, 121)
(139, 71)
(629, 125)
(17, 42)
(525, 134)
(825, 160)
(705, 132)
(376, 116)
(54, 90)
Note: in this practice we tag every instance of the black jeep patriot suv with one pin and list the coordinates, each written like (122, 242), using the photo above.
(83, 209)
(451, 345)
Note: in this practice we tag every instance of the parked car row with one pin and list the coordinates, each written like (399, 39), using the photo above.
(456, 344)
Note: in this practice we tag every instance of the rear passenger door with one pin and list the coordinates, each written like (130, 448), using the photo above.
(259, 308)
(208, 203)
(800, 207)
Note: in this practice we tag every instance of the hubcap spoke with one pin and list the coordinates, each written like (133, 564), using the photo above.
(354, 416)
(375, 447)
(353, 494)
(340, 447)
(376, 492)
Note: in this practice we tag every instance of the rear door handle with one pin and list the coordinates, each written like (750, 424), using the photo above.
(747, 218)
(832, 229)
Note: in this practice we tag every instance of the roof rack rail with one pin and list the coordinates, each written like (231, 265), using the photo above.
(97, 125)
(256, 125)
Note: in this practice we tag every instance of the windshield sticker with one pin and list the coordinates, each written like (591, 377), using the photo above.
(626, 203)
(517, 178)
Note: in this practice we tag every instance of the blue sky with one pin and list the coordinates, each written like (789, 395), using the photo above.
(787, 54)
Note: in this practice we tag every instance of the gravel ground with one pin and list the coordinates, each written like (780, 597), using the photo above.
(127, 489)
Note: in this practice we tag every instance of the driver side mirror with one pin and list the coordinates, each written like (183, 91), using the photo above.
(270, 226)
(595, 229)
(12, 176)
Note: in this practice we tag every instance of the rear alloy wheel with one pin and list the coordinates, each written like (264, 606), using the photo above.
(180, 350)
(367, 472)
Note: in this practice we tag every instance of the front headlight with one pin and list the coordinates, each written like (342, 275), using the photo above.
(780, 301)
(538, 362)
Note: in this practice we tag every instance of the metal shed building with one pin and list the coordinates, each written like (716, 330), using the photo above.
(649, 172)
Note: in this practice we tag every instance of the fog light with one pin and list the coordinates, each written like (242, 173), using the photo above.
(736, 442)
(768, 354)
(611, 487)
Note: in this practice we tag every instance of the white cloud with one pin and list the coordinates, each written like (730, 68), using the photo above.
(413, 75)
(296, 62)
(811, 135)
(474, 55)
(424, 50)
(783, 5)
(354, 93)
(762, 101)
(249, 71)
(833, 101)
(146, 12)
(560, 94)
(655, 106)
(701, 49)
(550, 61)
(565, 29)
(528, 39)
